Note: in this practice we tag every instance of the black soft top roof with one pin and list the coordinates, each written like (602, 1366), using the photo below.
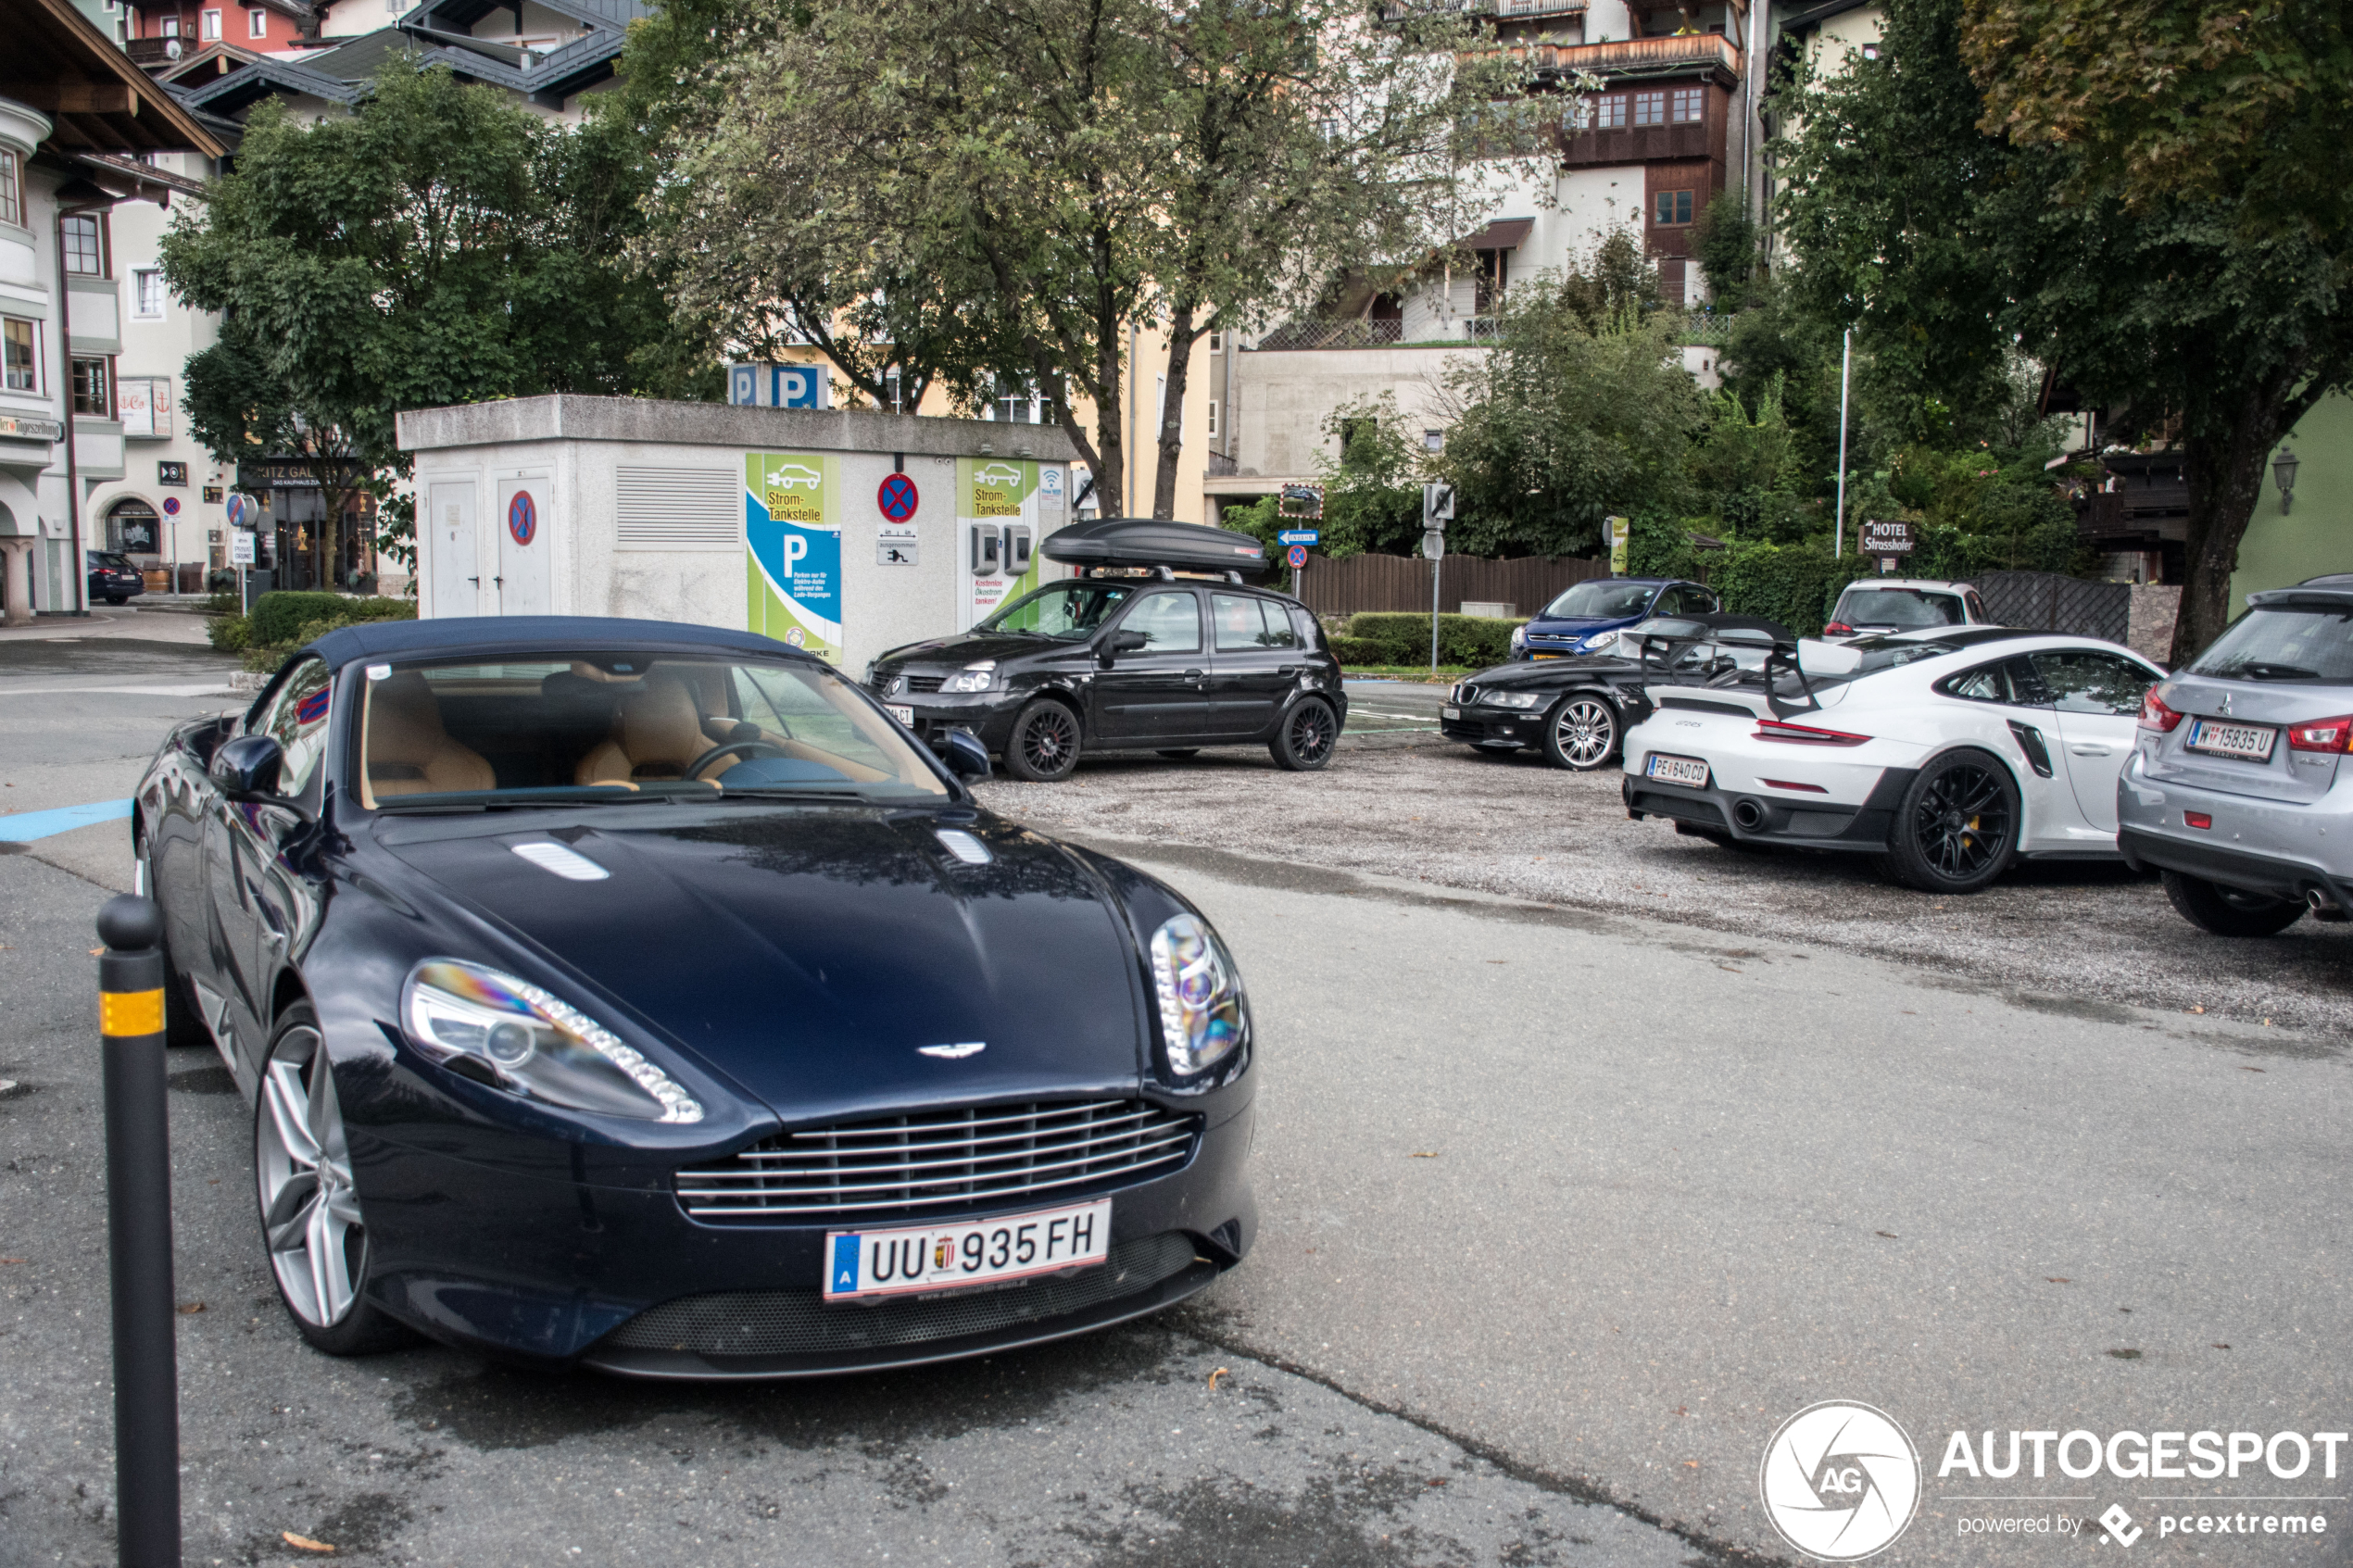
(1149, 542)
(511, 634)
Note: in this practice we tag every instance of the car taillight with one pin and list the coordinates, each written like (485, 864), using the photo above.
(2155, 716)
(2322, 734)
(1838, 629)
(1804, 734)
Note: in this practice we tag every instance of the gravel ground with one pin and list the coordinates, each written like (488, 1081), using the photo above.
(2075, 934)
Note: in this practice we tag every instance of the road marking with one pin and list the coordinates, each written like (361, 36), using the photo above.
(210, 689)
(1385, 713)
(25, 826)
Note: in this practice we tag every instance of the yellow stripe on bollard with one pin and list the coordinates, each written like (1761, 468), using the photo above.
(126, 1013)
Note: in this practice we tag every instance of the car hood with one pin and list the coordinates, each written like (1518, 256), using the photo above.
(958, 651)
(810, 954)
(1551, 671)
(1573, 625)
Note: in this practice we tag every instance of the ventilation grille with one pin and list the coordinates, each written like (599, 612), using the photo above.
(677, 509)
(940, 1162)
(799, 1322)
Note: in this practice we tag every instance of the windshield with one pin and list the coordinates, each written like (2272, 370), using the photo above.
(120, 563)
(1070, 612)
(618, 727)
(1599, 599)
(1904, 607)
(2305, 642)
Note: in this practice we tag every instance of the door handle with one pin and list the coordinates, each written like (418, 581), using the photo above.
(1192, 674)
(2092, 748)
(1290, 669)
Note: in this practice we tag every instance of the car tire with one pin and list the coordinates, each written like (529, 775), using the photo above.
(117, 599)
(311, 1228)
(1304, 740)
(2229, 912)
(1179, 753)
(1044, 746)
(1957, 827)
(1581, 732)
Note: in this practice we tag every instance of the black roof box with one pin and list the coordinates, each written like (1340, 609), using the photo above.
(1148, 542)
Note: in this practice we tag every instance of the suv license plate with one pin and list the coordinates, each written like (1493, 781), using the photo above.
(927, 1259)
(2250, 742)
(904, 714)
(1679, 769)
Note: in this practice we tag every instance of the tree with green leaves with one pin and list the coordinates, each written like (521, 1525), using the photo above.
(2187, 307)
(1560, 425)
(440, 245)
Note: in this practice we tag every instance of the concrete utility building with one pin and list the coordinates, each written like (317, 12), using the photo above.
(843, 532)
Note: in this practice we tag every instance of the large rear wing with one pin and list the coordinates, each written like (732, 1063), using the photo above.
(1783, 656)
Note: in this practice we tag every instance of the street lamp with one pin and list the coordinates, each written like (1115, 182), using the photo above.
(2283, 475)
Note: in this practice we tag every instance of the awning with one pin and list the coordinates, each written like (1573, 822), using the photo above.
(1504, 233)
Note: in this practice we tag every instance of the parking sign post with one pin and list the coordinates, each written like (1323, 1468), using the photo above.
(1438, 510)
(147, 1371)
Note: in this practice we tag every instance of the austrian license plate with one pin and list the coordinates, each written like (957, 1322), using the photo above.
(901, 712)
(1450, 713)
(922, 1258)
(2252, 742)
(1679, 769)
(1546, 655)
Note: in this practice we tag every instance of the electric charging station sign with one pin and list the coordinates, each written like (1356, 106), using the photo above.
(792, 549)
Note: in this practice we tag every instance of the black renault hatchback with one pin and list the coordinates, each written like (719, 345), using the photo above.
(1131, 656)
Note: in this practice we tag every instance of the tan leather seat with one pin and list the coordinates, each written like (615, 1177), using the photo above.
(656, 731)
(408, 751)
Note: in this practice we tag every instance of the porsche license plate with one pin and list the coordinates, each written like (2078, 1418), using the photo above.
(904, 714)
(2250, 742)
(917, 1260)
(1679, 769)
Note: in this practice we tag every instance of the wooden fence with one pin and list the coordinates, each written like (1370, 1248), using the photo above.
(1402, 582)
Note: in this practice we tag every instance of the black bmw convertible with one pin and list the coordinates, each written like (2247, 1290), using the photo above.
(642, 996)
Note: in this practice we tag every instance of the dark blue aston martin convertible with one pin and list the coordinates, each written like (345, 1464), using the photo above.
(642, 995)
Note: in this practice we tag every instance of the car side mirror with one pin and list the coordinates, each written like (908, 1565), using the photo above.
(246, 766)
(964, 756)
(1124, 642)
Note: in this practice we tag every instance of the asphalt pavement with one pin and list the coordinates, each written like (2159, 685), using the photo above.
(1569, 1202)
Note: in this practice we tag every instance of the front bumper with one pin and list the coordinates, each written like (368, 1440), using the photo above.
(988, 715)
(1758, 818)
(1494, 726)
(554, 1271)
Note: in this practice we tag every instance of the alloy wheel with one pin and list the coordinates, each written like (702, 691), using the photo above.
(1586, 731)
(1050, 738)
(1313, 730)
(310, 1213)
(1962, 822)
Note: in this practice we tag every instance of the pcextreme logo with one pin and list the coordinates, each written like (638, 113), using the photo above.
(1840, 1481)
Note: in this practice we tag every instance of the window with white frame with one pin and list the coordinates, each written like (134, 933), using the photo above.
(85, 244)
(1213, 417)
(171, 26)
(20, 354)
(11, 187)
(1217, 342)
(146, 294)
(1689, 107)
(210, 27)
(1433, 441)
(257, 23)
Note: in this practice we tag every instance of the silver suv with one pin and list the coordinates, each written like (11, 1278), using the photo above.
(2235, 790)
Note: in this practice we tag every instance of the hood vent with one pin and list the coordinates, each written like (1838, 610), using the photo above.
(570, 865)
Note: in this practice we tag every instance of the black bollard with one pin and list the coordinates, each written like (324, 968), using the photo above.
(146, 1369)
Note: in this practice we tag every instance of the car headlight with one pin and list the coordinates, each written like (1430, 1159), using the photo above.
(496, 1029)
(1598, 638)
(1204, 1016)
(1520, 639)
(1516, 699)
(972, 678)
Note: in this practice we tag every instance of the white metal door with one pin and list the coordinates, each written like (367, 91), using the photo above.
(522, 546)
(457, 574)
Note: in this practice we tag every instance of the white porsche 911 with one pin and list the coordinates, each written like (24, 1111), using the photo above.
(1947, 754)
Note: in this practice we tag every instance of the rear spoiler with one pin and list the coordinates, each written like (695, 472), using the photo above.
(1780, 651)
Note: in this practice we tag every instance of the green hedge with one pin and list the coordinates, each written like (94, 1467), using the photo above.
(280, 617)
(1794, 584)
(1403, 638)
(1354, 651)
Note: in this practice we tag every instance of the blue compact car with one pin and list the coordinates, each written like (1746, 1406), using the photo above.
(1585, 618)
(644, 996)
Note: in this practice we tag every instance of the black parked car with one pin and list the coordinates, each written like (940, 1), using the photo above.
(113, 578)
(640, 995)
(1576, 710)
(1146, 661)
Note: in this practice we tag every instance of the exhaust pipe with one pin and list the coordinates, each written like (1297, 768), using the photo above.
(2323, 904)
(1749, 815)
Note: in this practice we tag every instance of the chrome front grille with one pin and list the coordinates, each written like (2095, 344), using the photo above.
(1466, 695)
(938, 1162)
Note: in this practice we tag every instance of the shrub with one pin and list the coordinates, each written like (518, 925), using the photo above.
(1403, 638)
(278, 618)
(1794, 584)
(1354, 651)
(228, 634)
